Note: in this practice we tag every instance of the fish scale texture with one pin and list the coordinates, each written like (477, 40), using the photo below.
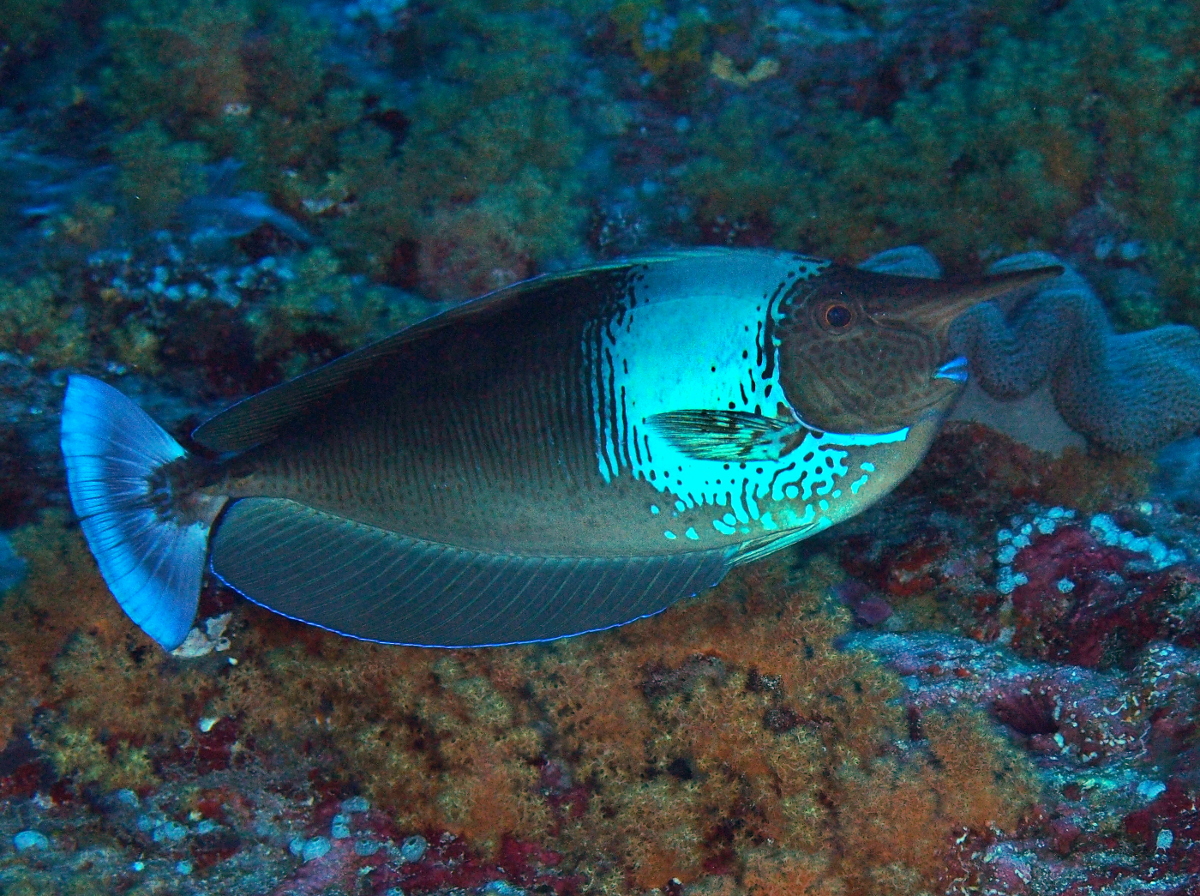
(1129, 393)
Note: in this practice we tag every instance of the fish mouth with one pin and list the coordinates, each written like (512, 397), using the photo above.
(955, 370)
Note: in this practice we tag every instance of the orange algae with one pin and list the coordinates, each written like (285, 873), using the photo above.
(90, 695)
(60, 600)
(726, 742)
(795, 744)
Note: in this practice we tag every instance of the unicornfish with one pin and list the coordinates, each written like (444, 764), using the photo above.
(561, 456)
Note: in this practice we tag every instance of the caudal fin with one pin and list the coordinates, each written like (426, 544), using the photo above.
(152, 563)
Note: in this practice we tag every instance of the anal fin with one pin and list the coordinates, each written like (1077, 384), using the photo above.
(377, 585)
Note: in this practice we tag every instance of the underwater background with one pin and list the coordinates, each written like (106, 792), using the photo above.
(988, 684)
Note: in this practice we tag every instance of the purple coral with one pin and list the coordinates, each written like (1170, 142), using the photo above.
(1131, 392)
(1127, 392)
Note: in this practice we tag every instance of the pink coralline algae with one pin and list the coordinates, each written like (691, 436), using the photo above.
(1061, 597)
(1094, 605)
(1122, 807)
(446, 864)
(1169, 827)
(1058, 711)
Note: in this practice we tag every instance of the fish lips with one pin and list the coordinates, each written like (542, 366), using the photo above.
(955, 370)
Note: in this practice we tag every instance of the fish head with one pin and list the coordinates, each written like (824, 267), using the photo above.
(865, 352)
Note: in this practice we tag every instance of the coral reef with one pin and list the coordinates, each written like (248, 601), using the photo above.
(784, 752)
(987, 684)
(744, 742)
(677, 751)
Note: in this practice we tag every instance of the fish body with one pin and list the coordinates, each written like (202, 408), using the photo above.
(564, 455)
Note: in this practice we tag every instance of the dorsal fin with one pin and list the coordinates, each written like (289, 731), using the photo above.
(260, 417)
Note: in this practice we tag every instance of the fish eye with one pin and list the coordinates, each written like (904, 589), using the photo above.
(837, 316)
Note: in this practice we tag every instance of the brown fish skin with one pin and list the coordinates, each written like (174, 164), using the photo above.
(480, 433)
(561, 456)
(874, 373)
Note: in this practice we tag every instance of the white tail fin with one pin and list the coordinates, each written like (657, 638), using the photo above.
(152, 563)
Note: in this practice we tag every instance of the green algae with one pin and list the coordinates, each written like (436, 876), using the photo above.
(319, 299)
(674, 50)
(995, 156)
(25, 22)
(1001, 179)
(244, 83)
(489, 160)
(488, 146)
(36, 319)
(83, 756)
(157, 174)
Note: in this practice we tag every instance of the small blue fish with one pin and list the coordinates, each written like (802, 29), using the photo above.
(561, 456)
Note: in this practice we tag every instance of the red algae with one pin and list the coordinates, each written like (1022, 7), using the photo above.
(1092, 605)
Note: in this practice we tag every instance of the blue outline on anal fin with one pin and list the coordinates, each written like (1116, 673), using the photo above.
(375, 585)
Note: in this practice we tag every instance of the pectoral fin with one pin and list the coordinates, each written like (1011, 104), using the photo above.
(728, 435)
